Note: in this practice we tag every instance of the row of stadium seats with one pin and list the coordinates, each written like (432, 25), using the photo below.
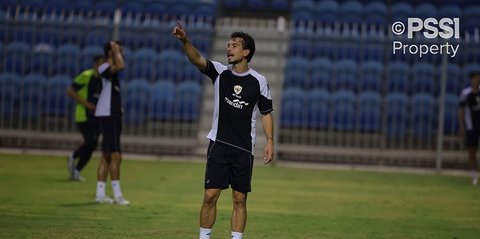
(379, 13)
(258, 5)
(374, 76)
(34, 96)
(361, 48)
(158, 37)
(69, 59)
(396, 114)
(106, 8)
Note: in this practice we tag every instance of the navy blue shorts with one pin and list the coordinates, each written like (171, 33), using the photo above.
(228, 166)
(111, 129)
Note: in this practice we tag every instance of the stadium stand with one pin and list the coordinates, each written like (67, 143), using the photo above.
(333, 75)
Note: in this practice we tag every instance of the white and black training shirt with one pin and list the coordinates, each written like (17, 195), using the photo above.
(109, 102)
(471, 103)
(237, 99)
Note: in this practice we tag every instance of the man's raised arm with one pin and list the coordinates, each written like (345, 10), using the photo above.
(191, 52)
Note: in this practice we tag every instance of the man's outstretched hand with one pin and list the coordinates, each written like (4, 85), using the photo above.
(179, 32)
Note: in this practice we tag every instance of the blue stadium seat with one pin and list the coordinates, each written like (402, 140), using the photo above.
(369, 111)
(204, 13)
(401, 11)
(424, 79)
(425, 10)
(423, 115)
(293, 113)
(470, 18)
(104, 8)
(450, 11)
(304, 5)
(318, 101)
(97, 37)
(179, 10)
(32, 96)
(467, 69)
(136, 101)
(156, 8)
(345, 73)
(170, 65)
(4, 4)
(297, 74)
(300, 47)
(256, 4)
(80, 7)
(55, 6)
(17, 54)
(87, 54)
(67, 60)
(343, 110)
(144, 64)
(280, 5)
(397, 105)
(321, 73)
(9, 88)
(187, 105)
(162, 100)
(454, 79)
(327, 12)
(57, 101)
(375, 13)
(42, 59)
(232, 4)
(351, 11)
(450, 124)
(131, 8)
(398, 74)
(371, 76)
(74, 36)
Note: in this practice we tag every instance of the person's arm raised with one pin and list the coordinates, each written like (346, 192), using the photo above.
(192, 53)
(118, 63)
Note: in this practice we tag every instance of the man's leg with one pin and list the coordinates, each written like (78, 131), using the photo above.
(91, 140)
(102, 175)
(472, 163)
(239, 214)
(208, 213)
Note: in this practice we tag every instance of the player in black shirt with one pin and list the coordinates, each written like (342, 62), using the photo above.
(469, 120)
(239, 93)
(109, 112)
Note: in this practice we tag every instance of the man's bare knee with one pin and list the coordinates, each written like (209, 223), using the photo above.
(239, 199)
(211, 197)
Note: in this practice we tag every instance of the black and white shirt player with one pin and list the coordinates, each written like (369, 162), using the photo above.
(238, 98)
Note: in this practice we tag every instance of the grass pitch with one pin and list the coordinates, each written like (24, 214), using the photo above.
(37, 201)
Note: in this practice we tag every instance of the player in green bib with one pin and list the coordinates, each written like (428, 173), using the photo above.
(85, 90)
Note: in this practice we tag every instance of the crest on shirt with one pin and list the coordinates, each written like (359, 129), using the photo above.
(237, 89)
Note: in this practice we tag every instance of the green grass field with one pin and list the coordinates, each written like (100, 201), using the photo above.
(37, 201)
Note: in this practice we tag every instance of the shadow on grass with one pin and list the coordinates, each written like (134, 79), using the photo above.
(82, 204)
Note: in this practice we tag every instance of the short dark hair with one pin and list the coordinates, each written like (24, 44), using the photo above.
(107, 47)
(472, 74)
(98, 58)
(248, 42)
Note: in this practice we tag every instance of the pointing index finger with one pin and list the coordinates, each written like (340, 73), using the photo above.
(179, 24)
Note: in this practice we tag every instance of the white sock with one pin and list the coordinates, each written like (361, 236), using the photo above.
(117, 192)
(474, 174)
(205, 233)
(237, 235)
(100, 189)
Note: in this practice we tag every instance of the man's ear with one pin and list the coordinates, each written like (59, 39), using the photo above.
(246, 52)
